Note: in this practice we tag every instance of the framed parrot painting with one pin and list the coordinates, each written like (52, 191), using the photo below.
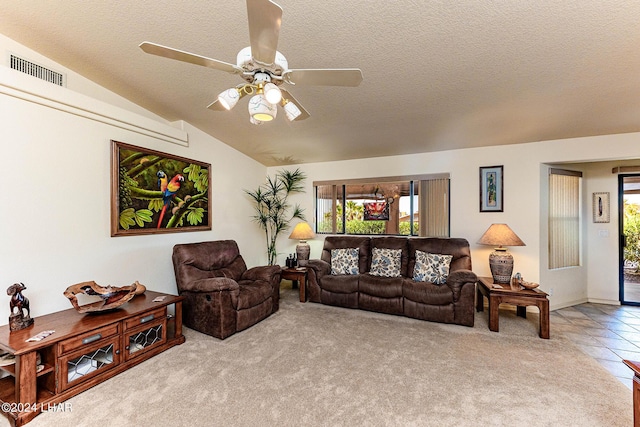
(154, 192)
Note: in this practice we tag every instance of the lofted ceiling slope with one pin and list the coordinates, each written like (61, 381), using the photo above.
(437, 75)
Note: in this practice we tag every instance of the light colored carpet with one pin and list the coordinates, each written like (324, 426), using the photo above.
(316, 365)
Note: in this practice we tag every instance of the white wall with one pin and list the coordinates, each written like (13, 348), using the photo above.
(55, 170)
(74, 81)
(54, 222)
(525, 195)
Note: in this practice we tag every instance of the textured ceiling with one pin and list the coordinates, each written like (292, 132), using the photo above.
(437, 74)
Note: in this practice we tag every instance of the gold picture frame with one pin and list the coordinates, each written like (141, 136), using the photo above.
(154, 192)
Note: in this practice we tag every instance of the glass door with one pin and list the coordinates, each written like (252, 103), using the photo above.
(629, 208)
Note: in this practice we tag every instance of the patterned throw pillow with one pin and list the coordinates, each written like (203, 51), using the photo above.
(432, 268)
(344, 261)
(385, 262)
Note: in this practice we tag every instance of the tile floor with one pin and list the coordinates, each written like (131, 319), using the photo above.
(608, 333)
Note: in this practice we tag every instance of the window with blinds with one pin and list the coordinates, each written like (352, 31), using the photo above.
(406, 205)
(564, 218)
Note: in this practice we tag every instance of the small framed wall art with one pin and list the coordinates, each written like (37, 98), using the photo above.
(491, 191)
(601, 211)
(154, 192)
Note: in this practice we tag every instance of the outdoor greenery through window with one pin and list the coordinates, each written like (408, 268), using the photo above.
(408, 205)
(564, 218)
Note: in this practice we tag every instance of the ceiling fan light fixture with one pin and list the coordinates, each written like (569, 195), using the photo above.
(229, 98)
(272, 93)
(261, 109)
(292, 111)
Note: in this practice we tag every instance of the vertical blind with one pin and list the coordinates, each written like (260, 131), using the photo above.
(564, 218)
(326, 203)
(434, 208)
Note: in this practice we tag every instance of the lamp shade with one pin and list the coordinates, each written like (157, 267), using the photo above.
(292, 111)
(229, 98)
(302, 232)
(500, 235)
(500, 261)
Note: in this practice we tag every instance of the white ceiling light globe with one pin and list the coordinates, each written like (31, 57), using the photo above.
(272, 93)
(261, 109)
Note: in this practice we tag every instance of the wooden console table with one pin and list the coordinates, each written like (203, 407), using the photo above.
(518, 297)
(298, 274)
(84, 350)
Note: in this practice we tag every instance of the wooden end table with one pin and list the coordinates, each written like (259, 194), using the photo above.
(509, 295)
(635, 367)
(297, 275)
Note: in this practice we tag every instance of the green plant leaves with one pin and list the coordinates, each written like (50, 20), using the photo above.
(195, 216)
(198, 175)
(130, 217)
(155, 205)
(271, 207)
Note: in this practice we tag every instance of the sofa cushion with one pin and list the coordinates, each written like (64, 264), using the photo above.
(427, 293)
(362, 243)
(383, 287)
(385, 262)
(343, 284)
(344, 261)
(252, 293)
(433, 268)
(457, 247)
(392, 242)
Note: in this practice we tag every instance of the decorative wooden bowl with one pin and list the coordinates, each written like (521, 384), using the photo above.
(529, 285)
(105, 298)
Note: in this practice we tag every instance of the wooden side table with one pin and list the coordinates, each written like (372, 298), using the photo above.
(635, 367)
(518, 297)
(299, 275)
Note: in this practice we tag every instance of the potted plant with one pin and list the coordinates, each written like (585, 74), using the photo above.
(272, 206)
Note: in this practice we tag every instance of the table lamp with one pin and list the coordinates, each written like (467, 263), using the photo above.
(302, 232)
(500, 261)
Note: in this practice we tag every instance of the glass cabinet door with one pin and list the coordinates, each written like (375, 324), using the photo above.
(141, 339)
(88, 362)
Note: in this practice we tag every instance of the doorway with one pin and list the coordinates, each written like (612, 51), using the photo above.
(629, 209)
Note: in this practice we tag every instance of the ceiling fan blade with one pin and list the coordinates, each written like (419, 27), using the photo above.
(324, 77)
(192, 58)
(304, 113)
(216, 106)
(265, 18)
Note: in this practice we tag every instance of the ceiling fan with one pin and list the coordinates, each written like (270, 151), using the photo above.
(263, 68)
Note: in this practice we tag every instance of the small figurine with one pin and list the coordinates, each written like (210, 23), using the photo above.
(19, 319)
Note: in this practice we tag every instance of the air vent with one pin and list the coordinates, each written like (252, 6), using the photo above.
(36, 70)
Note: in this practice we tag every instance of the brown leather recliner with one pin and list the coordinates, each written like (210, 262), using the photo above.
(222, 296)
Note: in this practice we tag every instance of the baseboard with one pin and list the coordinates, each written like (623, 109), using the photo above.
(553, 307)
(603, 301)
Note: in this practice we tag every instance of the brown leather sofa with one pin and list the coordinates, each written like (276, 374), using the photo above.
(451, 302)
(222, 296)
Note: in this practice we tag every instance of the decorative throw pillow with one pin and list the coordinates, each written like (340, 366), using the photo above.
(344, 261)
(432, 268)
(385, 262)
